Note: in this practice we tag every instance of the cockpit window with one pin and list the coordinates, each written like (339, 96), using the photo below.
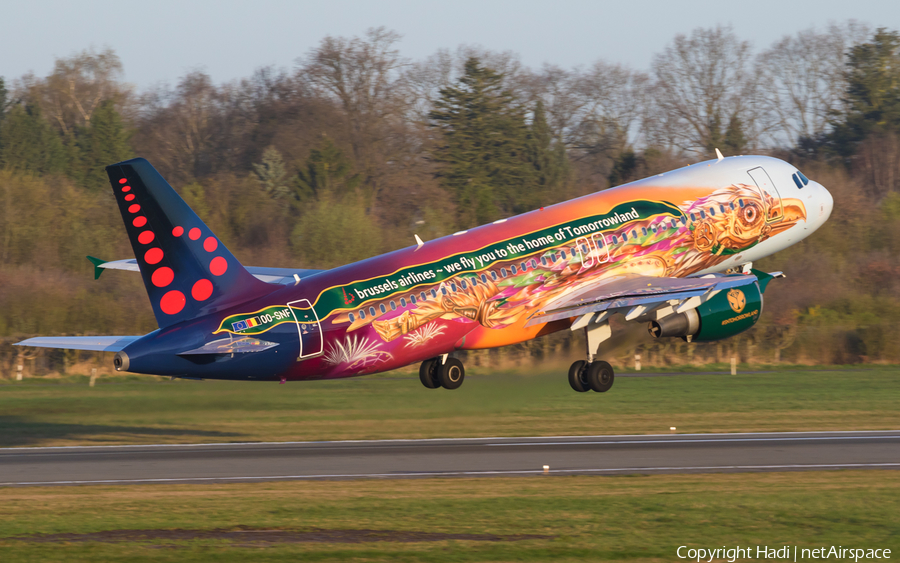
(797, 181)
(803, 178)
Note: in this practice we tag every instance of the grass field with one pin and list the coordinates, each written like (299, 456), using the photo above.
(633, 518)
(155, 410)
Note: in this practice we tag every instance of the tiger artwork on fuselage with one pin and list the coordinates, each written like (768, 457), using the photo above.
(472, 306)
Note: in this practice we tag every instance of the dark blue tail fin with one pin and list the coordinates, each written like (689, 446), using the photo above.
(187, 271)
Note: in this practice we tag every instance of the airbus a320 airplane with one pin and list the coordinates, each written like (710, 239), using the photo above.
(674, 251)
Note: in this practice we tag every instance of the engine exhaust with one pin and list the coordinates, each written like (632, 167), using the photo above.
(680, 324)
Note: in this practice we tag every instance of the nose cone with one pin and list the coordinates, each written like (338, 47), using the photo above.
(823, 204)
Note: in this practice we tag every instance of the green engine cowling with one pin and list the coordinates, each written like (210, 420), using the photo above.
(728, 313)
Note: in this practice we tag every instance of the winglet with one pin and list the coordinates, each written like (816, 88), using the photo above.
(419, 242)
(97, 266)
(719, 155)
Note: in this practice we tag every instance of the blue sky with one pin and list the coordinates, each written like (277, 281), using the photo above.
(159, 41)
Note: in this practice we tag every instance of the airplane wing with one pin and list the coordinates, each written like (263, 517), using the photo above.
(283, 276)
(640, 297)
(94, 343)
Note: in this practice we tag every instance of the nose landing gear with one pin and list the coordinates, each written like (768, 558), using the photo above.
(438, 372)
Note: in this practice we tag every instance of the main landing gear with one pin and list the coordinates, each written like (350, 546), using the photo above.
(598, 375)
(439, 372)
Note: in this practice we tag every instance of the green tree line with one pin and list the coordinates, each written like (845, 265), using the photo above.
(355, 150)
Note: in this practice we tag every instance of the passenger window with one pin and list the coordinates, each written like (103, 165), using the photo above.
(463, 284)
(383, 308)
(712, 211)
(633, 233)
(483, 278)
(362, 314)
(443, 290)
(683, 220)
(693, 218)
(493, 275)
(563, 254)
(533, 263)
(393, 305)
(644, 231)
(524, 266)
(653, 228)
(412, 299)
(352, 318)
(513, 269)
(722, 209)
(422, 296)
(403, 301)
(674, 224)
(372, 311)
(624, 236)
(615, 239)
(453, 287)
(474, 281)
(741, 203)
(503, 272)
(434, 293)
(731, 204)
(543, 261)
(702, 214)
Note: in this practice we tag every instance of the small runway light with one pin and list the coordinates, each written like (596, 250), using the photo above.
(546, 470)
(672, 429)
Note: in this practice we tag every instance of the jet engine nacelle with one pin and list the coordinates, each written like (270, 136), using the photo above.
(729, 312)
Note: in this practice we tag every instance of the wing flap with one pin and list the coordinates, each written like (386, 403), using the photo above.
(93, 343)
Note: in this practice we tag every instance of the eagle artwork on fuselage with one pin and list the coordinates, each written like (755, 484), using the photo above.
(674, 251)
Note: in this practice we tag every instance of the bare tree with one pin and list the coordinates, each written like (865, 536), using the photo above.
(78, 85)
(802, 80)
(704, 88)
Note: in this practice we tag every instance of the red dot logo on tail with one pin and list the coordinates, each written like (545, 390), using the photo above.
(153, 256)
(194, 233)
(172, 302)
(162, 277)
(122, 180)
(139, 221)
(210, 244)
(202, 290)
(177, 231)
(134, 208)
(146, 237)
(218, 266)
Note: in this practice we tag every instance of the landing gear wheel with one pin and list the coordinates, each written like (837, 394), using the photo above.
(600, 376)
(452, 373)
(577, 376)
(427, 373)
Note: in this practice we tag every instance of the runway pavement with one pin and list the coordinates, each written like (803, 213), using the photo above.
(603, 455)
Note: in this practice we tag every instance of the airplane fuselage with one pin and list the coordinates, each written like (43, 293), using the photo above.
(480, 288)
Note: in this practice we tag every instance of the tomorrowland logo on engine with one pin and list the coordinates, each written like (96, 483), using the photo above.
(737, 300)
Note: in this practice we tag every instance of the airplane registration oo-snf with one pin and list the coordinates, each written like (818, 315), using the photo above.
(674, 251)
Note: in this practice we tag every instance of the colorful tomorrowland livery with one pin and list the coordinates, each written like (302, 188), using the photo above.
(674, 251)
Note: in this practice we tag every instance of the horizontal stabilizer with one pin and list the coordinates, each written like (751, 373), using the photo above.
(94, 343)
(283, 276)
(231, 346)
